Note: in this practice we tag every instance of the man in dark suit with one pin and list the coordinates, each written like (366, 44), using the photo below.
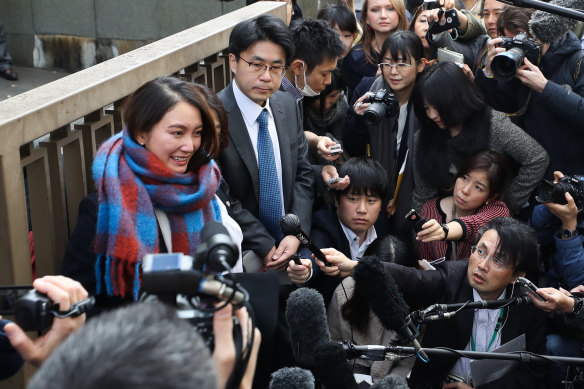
(259, 51)
(506, 250)
(348, 227)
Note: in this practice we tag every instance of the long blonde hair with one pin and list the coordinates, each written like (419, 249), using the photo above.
(369, 34)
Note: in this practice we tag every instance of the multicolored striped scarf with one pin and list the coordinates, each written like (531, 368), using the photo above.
(131, 182)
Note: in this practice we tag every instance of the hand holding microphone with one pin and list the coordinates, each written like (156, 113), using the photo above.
(290, 225)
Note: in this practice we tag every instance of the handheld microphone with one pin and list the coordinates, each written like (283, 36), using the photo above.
(311, 344)
(292, 378)
(386, 300)
(290, 225)
(217, 250)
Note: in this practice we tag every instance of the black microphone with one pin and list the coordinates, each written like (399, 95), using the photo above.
(446, 311)
(217, 250)
(290, 225)
(307, 321)
(311, 344)
(391, 381)
(292, 378)
(385, 300)
(191, 283)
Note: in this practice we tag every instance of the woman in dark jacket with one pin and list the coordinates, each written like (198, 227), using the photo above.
(456, 122)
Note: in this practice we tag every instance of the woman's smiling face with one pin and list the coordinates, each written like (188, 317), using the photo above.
(176, 137)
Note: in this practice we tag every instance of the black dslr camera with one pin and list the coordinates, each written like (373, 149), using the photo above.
(504, 65)
(383, 104)
(550, 192)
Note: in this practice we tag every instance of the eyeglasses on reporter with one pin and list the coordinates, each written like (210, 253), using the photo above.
(495, 262)
(400, 66)
(260, 67)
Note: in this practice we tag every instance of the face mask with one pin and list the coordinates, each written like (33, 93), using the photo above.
(307, 91)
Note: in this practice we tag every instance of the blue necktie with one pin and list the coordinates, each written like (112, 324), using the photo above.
(270, 210)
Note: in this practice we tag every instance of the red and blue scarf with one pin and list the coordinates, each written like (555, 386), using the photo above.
(131, 182)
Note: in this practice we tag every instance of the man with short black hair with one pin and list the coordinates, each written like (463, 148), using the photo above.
(266, 163)
(506, 249)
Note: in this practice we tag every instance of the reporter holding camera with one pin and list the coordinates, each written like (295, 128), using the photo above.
(561, 226)
(389, 139)
(60, 290)
(546, 97)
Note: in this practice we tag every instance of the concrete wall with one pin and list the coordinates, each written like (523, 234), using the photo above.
(75, 34)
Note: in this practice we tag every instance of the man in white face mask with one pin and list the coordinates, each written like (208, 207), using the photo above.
(317, 49)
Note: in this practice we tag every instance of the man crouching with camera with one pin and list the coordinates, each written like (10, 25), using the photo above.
(58, 289)
(540, 82)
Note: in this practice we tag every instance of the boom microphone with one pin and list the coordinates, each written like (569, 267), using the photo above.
(313, 349)
(292, 378)
(191, 283)
(290, 225)
(386, 300)
(307, 321)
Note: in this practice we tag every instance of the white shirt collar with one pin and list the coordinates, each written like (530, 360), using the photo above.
(250, 110)
(356, 250)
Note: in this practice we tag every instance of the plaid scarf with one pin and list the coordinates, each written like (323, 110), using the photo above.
(131, 182)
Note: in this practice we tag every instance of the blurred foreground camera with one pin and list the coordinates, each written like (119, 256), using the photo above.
(35, 311)
(505, 65)
(383, 104)
(191, 284)
(551, 192)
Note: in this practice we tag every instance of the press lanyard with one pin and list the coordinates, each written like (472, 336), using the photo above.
(495, 332)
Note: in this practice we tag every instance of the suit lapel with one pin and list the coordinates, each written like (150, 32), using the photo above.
(240, 138)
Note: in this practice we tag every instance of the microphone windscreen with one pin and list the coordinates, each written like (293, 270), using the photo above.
(307, 321)
(390, 382)
(548, 27)
(292, 378)
(289, 223)
(381, 291)
(328, 362)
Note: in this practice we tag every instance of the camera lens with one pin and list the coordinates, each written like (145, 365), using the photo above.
(505, 64)
(374, 113)
(549, 191)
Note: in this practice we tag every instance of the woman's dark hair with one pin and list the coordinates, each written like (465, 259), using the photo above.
(367, 176)
(403, 43)
(148, 105)
(514, 19)
(337, 83)
(369, 34)
(445, 87)
(339, 15)
(262, 28)
(494, 165)
(415, 16)
(216, 106)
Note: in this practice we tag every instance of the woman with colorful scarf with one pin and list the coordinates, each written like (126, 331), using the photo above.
(156, 184)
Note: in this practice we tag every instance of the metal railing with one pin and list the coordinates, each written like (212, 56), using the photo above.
(49, 136)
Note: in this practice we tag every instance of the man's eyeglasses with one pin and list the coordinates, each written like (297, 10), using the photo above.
(481, 254)
(258, 67)
(400, 66)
